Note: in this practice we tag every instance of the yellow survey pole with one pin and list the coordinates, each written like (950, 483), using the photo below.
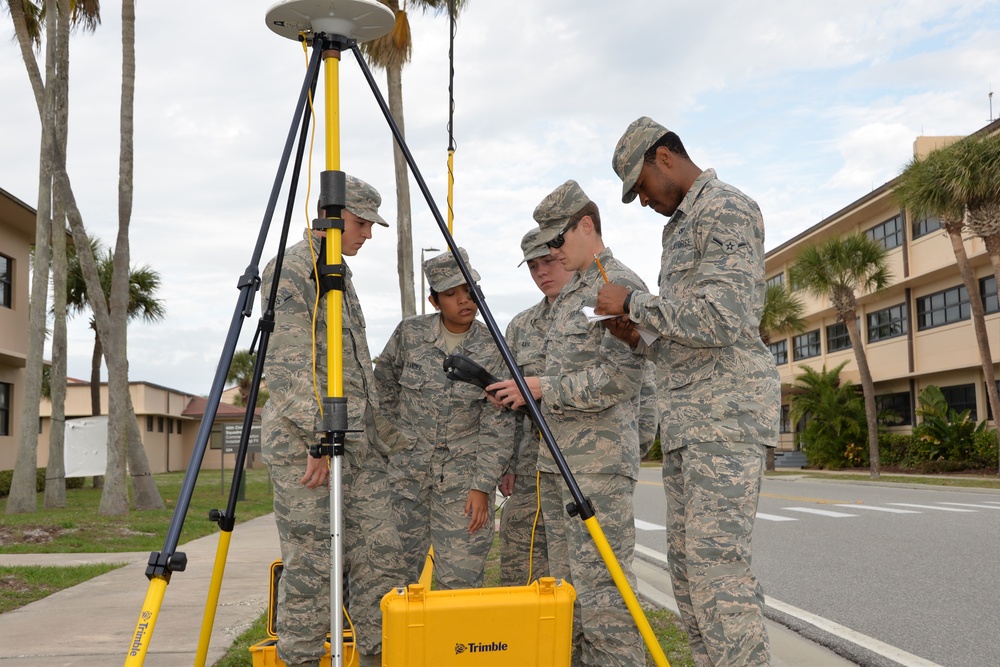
(625, 588)
(212, 603)
(147, 620)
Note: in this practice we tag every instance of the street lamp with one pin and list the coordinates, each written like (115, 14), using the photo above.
(423, 301)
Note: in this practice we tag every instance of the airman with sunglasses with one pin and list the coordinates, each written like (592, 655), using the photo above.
(589, 395)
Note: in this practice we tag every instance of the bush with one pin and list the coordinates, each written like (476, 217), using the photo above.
(893, 448)
(983, 452)
(655, 452)
(7, 476)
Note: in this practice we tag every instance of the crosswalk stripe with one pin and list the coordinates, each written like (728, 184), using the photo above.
(874, 508)
(811, 510)
(646, 525)
(774, 517)
(985, 507)
(933, 507)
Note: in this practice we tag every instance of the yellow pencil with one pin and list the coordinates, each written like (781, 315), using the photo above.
(598, 260)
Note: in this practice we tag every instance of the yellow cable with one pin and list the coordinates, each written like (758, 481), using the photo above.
(534, 524)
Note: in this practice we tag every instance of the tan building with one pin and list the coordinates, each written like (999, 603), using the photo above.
(917, 333)
(168, 422)
(17, 235)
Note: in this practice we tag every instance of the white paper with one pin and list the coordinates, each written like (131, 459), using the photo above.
(645, 334)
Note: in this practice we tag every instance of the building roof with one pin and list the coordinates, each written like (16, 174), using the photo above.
(196, 408)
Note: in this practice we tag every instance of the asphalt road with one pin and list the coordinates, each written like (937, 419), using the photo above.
(917, 569)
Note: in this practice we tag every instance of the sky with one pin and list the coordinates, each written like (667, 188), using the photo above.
(805, 106)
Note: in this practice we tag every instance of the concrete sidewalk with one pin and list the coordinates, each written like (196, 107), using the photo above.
(92, 623)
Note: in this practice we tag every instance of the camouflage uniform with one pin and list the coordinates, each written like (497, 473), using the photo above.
(724, 398)
(526, 337)
(649, 409)
(289, 421)
(454, 440)
(590, 391)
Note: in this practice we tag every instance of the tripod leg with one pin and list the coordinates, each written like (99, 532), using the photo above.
(163, 563)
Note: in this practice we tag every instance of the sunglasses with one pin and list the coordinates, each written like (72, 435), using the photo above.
(560, 239)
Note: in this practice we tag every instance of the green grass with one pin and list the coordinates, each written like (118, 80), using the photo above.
(665, 626)
(78, 528)
(24, 585)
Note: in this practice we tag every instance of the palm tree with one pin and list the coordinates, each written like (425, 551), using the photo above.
(836, 269)
(932, 187)
(51, 99)
(782, 313)
(390, 53)
(143, 283)
(832, 409)
(241, 372)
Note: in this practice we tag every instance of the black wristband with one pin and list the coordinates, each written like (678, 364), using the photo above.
(626, 302)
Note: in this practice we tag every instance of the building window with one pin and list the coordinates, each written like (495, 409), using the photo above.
(925, 226)
(6, 280)
(779, 351)
(159, 424)
(889, 233)
(887, 323)
(149, 423)
(806, 345)
(6, 392)
(898, 405)
(786, 419)
(961, 397)
(940, 308)
(989, 408)
(776, 280)
(988, 292)
(170, 425)
(179, 422)
(837, 338)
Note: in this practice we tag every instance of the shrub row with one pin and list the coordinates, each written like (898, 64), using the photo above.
(6, 476)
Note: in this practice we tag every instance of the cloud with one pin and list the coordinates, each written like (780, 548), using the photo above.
(805, 106)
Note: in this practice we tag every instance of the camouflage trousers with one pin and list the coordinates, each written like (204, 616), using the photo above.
(431, 512)
(604, 634)
(712, 491)
(520, 561)
(371, 552)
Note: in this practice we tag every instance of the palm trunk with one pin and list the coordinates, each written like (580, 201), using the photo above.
(978, 316)
(55, 474)
(23, 497)
(95, 374)
(404, 234)
(850, 320)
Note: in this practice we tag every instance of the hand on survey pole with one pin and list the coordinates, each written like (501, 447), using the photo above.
(510, 396)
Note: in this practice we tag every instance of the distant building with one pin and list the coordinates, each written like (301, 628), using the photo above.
(168, 420)
(917, 333)
(17, 235)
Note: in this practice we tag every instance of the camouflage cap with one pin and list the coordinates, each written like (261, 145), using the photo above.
(555, 211)
(531, 248)
(628, 158)
(363, 200)
(443, 273)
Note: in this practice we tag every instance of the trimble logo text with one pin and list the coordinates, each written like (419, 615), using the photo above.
(476, 647)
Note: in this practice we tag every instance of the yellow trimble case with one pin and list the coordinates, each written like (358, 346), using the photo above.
(515, 626)
(265, 653)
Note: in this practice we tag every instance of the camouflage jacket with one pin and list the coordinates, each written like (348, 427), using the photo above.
(590, 387)
(526, 338)
(651, 406)
(433, 412)
(288, 366)
(723, 385)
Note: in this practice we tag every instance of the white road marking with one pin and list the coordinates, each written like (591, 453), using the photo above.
(985, 507)
(774, 517)
(933, 507)
(646, 525)
(880, 509)
(812, 510)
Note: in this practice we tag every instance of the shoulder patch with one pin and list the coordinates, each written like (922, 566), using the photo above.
(729, 246)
